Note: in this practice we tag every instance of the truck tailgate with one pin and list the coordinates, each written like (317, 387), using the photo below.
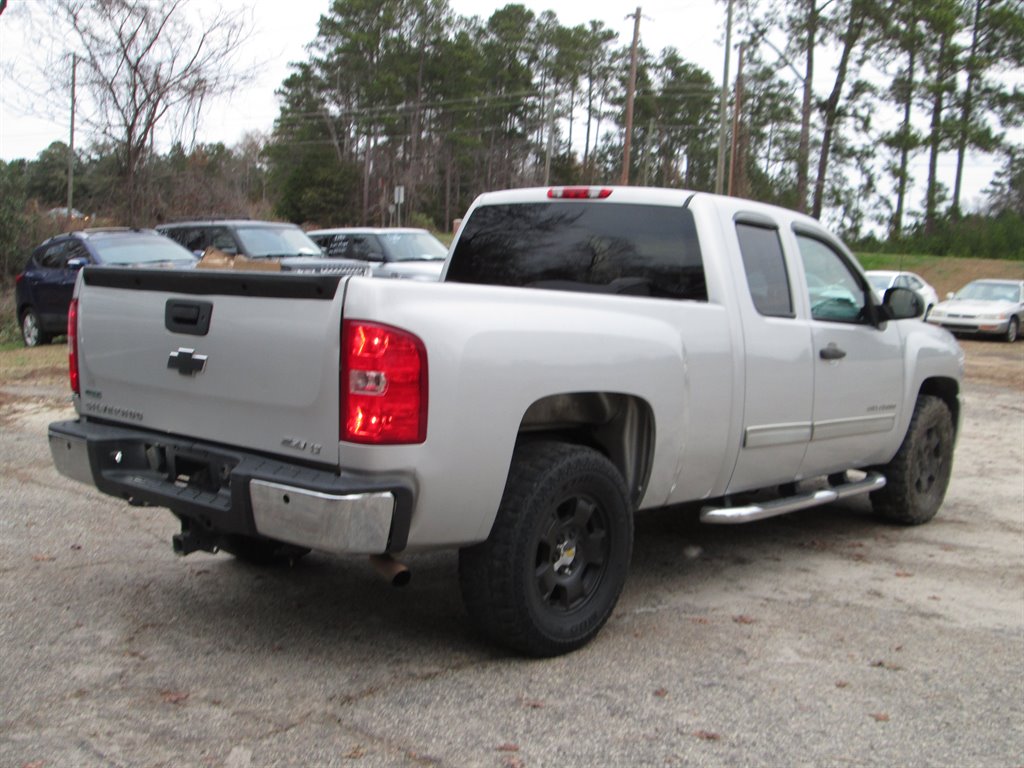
(236, 358)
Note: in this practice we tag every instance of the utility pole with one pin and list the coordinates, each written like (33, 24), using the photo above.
(630, 94)
(736, 112)
(720, 173)
(71, 142)
(551, 140)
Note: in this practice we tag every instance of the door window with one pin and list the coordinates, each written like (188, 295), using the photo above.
(836, 294)
(222, 240)
(53, 256)
(364, 249)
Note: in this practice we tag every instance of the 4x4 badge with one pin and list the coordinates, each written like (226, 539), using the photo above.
(186, 362)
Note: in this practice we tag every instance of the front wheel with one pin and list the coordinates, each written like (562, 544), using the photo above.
(918, 475)
(549, 575)
(1012, 328)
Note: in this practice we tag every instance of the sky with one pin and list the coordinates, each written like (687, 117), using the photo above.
(31, 118)
(28, 124)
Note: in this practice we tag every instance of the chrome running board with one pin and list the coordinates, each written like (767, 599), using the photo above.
(872, 481)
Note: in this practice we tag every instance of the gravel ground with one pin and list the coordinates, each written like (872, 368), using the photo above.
(824, 638)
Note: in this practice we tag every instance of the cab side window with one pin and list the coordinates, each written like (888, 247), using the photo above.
(765, 266)
(836, 294)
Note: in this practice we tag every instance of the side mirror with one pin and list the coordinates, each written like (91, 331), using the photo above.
(76, 263)
(902, 304)
(950, 295)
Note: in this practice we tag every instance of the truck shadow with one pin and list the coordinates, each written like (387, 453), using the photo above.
(340, 611)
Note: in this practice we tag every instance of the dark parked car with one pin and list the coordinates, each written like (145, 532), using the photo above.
(43, 289)
(252, 239)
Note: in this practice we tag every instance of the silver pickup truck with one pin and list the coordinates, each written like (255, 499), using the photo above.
(590, 352)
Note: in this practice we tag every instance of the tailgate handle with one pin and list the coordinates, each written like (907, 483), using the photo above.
(191, 317)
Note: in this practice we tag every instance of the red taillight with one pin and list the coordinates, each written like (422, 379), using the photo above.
(383, 385)
(73, 345)
(579, 193)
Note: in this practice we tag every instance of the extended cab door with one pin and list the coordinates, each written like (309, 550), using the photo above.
(858, 362)
(779, 367)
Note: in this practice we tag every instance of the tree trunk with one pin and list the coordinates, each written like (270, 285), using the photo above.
(966, 113)
(853, 32)
(804, 148)
(896, 230)
(935, 139)
(367, 168)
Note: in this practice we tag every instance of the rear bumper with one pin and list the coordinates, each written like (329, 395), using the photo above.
(228, 492)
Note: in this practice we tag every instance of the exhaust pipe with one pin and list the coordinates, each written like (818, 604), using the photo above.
(393, 571)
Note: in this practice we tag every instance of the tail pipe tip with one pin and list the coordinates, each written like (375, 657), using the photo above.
(393, 571)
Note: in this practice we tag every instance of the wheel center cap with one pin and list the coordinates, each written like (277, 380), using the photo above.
(566, 555)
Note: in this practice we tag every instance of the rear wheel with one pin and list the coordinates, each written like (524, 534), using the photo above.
(918, 475)
(32, 332)
(549, 575)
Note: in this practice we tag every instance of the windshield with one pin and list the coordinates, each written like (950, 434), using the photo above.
(981, 290)
(276, 241)
(138, 248)
(879, 282)
(413, 246)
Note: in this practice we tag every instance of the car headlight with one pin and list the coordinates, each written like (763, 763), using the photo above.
(937, 313)
(993, 316)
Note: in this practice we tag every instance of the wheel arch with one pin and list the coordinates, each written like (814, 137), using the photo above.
(620, 426)
(947, 390)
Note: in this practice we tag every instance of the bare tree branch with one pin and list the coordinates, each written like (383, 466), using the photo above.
(150, 70)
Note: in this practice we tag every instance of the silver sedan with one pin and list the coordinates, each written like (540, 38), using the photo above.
(994, 307)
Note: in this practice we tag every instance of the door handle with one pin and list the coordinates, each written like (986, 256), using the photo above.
(832, 352)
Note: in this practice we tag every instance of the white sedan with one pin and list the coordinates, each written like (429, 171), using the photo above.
(882, 280)
(984, 306)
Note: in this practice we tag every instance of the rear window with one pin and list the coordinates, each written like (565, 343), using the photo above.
(642, 250)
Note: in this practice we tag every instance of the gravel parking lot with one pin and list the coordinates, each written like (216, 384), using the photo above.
(823, 638)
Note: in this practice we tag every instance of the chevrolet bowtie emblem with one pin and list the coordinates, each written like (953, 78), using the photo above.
(186, 362)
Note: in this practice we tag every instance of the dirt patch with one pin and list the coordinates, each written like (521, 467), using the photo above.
(994, 362)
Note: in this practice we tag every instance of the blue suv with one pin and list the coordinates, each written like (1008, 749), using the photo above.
(43, 289)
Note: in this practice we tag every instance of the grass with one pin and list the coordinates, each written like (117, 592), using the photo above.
(9, 333)
(946, 273)
(18, 364)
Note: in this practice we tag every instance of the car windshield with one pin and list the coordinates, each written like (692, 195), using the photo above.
(276, 241)
(987, 291)
(413, 246)
(879, 282)
(138, 248)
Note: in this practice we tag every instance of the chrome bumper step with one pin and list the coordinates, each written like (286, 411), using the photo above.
(720, 515)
